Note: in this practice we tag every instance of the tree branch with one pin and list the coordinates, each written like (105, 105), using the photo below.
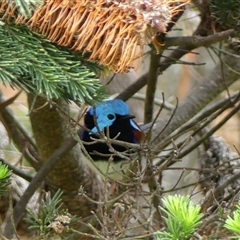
(20, 136)
(209, 132)
(199, 41)
(17, 170)
(151, 87)
(212, 85)
(19, 208)
(187, 44)
(209, 112)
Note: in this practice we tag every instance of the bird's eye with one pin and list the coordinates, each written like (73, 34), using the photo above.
(110, 116)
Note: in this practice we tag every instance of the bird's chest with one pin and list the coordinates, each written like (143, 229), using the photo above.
(113, 169)
(103, 150)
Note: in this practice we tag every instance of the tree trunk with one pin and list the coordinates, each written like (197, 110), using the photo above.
(50, 130)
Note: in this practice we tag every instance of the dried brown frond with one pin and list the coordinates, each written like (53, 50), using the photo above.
(111, 32)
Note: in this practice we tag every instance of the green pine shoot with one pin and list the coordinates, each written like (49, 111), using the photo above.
(5, 175)
(233, 223)
(51, 218)
(182, 218)
(26, 7)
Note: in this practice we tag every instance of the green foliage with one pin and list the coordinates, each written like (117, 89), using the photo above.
(233, 224)
(26, 7)
(182, 218)
(32, 63)
(5, 175)
(227, 13)
(50, 218)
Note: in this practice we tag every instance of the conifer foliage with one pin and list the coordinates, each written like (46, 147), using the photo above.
(113, 33)
(31, 62)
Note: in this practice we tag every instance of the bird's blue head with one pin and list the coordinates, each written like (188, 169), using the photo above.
(106, 113)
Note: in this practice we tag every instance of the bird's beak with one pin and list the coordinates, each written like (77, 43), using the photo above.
(129, 116)
(134, 125)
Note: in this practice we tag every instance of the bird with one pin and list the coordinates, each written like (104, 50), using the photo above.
(110, 118)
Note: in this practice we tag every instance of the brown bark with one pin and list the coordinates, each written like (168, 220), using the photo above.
(50, 131)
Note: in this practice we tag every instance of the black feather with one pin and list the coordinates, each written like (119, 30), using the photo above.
(121, 126)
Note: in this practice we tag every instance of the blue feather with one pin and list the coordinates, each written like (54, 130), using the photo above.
(110, 107)
(116, 106)
(115, 115)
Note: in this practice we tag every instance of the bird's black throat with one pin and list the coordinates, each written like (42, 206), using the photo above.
(121, 127)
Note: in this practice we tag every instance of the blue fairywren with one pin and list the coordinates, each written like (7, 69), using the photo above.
(111, 118)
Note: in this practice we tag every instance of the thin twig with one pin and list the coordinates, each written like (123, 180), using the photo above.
(168, 122)
(192, 43)
(19, 208)
(158, 102)
(199, 41)
(210, 132)
(20, 136)
(198, 118)
(17, 171)
(148, 135)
